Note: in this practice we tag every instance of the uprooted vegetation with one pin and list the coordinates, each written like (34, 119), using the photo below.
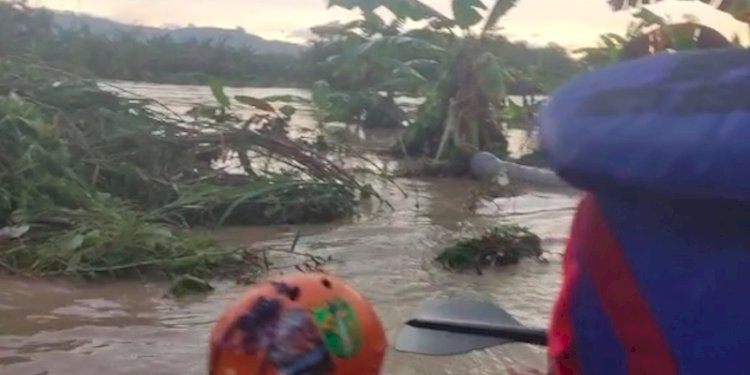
(500, 246)
(96, 183)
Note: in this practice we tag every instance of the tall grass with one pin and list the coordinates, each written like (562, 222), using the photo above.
(108, 185)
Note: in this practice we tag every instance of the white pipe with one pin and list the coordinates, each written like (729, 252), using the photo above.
(533, 175)
(487, 166)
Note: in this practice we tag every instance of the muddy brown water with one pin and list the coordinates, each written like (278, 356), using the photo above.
(61, 327)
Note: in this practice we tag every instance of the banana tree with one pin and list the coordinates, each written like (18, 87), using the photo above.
(739, 9)
(649, 34)
(677, 37)
(471, 94)
(465, 94)
(607, 51)
(365, 64)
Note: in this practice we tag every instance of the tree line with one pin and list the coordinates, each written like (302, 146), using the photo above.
(162, 59)
(29, 31)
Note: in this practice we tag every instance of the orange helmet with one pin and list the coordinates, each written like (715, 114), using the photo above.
(305, 324)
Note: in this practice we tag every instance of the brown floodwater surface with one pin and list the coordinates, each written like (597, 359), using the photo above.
(60, 327)
(57, 327)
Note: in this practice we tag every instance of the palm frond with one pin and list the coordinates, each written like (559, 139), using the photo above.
(740, 9)
(500, 8)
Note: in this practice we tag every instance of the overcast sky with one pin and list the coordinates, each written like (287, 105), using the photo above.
(571, 23)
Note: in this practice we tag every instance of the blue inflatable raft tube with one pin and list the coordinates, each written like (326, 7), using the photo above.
(672, 123)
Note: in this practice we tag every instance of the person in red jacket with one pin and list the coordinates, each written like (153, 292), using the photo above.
(655, 270)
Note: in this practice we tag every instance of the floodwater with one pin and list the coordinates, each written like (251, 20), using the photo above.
(59, 327)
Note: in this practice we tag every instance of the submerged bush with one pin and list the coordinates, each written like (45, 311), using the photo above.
(262, 201)
(111, 240)
(107, 185)
(499, 246)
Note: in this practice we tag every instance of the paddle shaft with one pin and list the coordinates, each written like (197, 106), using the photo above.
(533, 336)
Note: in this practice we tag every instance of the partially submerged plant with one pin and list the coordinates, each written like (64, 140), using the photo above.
(499, 246)
(456, 63)
(100, 180)
(651, 33)
(189, 285)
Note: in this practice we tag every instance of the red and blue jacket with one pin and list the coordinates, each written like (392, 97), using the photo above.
(657, 267)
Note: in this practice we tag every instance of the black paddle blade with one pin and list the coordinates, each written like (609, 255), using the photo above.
(458, 326)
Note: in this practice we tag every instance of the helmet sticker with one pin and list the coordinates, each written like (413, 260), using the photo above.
(252, 330)
(340, 326)
(291, 338)
(297, 347)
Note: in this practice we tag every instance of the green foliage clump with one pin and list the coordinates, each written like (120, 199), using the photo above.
(188, 285)
(367, 62)
(459, 71)
(101, 184)
(499, 246)
(75, 229)
(278, 200)
(113, 240)
(651, 33)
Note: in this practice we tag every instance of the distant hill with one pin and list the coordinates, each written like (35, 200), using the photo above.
(232, 37)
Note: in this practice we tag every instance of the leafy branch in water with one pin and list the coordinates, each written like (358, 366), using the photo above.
(101, 179)
(499, 246)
